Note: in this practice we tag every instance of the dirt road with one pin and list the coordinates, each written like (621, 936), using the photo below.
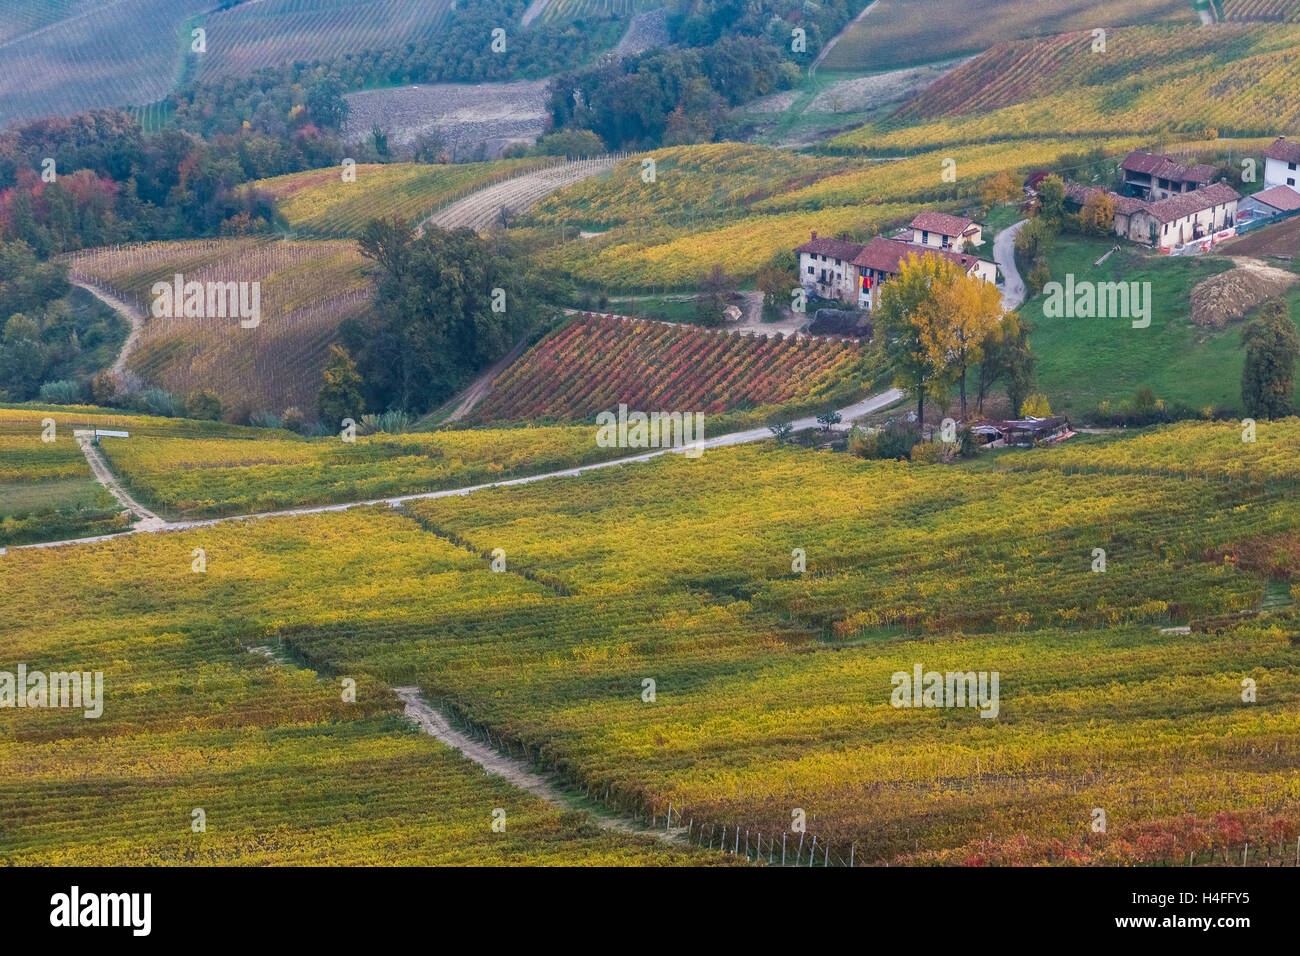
(848, 415)
(123, 308)
(146, 520)
(482, 210)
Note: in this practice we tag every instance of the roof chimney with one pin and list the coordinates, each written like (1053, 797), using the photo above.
(814, 233)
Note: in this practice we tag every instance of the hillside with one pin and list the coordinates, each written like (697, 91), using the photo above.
(905, 32)
(320, 202)
(307, 289)
(1236, 80)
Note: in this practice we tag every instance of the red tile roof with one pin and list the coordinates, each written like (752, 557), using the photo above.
(887, 255)
(942, 223)
(1124, 205)
(1279, 197)
(1282, 150)
(1162, 167)
(835, 248)
(1185, 204)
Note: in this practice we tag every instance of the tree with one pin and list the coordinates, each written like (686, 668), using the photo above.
(828, 419)
(1007, 359)
(934, 319)
(964, 311)
(23, 358)
(1097, 217)
(1036, 406)
(327, 105)
(1004, 187)
(340, 393)
(716, 290)
(1051, 201)
(900, 321)
(204, 405)
(1272, 347)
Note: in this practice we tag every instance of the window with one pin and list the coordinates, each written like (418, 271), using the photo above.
(1290, 180)
(1290, 166)
(810, 270)
(925, 236)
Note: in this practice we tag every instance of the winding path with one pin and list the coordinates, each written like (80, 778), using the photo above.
(123, 308)
(1004, 254)
(147, 526)
(146, 520)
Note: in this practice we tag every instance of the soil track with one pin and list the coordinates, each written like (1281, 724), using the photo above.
(482, 210)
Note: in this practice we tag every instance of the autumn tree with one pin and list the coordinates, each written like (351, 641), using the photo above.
(1004, 187)
(1097, 217)
(340, 393)
(934, 319)
(1272, 346)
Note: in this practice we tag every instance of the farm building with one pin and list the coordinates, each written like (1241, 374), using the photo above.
(1199, 215)
(1269, 204)
(1281, 160)
(826, 266)
(844, 271)
(881, 259)
(942, 231)
(1152, 177)
(1076, 195)
(1021, 431)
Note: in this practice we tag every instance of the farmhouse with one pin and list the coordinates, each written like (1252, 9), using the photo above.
(942, 231)
(1021, 431)
(881, 259)
(840, 270)
(1170, 222)
(1280, 163)
(1148, 176)
(1189, 217)
(1076, 195)
(826, 266)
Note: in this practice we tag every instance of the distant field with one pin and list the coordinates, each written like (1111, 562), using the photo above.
(307, 289)
(900, 33)
(595, 364)
(1234, 80)
(319, 202)
(1267, 10)
(60, 57)
(250, 36)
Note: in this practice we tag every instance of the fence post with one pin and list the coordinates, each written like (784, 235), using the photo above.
(812, 850)
(1297, 849)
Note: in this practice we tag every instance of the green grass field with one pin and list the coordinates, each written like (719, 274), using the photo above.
(1083, 362)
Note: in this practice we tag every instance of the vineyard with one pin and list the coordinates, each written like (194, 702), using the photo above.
(207, 476)
(1236, 80)
(46, 488)
(194, 719)
(901, 33)
(307, 289)
(320, 203)
(773, 687)
(63, 56)
(250, 36)
(1278, 11)
(596, 363)
(483, 209)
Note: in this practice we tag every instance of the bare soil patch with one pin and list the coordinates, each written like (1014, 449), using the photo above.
(1228, 296)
